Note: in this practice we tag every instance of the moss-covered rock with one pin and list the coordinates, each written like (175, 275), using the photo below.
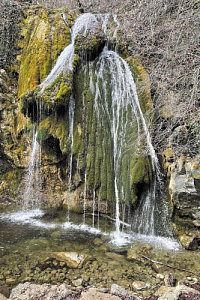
(45, 35)
(10, 182)
(57, 129)
(143, 84)
(90, 45)
(93, 145)
(141, 174)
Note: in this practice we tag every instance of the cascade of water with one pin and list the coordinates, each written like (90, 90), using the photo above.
(82, 24)
(71, 134)
(144, 216)
(32, 195)
(123, 99)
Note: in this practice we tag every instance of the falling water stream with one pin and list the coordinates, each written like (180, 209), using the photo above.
(32, 193)
(124, 102)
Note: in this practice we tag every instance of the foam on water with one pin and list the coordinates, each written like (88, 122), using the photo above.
(22, 216)
(122, 239)
(81, 227)
(27, 217)
(119, 239)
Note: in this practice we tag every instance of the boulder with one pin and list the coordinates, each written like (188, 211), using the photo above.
(39, 292)
(94, 294)
(2, 297)
(180, 292)
(120, 291)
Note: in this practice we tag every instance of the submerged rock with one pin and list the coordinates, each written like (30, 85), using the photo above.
(72, 259)
(117, 289)
(135, 252)
(140, 285)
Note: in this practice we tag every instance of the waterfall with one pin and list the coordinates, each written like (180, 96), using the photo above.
(32, 192)
(118, 111)
(125, 108)
(82, 24)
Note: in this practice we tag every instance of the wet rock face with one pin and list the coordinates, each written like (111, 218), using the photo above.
(51, 34)
(9, 155)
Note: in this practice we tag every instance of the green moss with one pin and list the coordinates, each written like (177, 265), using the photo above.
(140, 170)
(142, 84)
(10, 182)
(21, 103)
(76, 60)
(45, 129)
(64, 91)
(94, 41)
(43, 134)
(61, 133)
(141, 173)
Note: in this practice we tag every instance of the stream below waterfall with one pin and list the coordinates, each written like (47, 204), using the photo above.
(29, 239)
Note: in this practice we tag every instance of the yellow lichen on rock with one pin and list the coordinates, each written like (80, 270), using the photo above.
(142, 82)
(45, 36)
